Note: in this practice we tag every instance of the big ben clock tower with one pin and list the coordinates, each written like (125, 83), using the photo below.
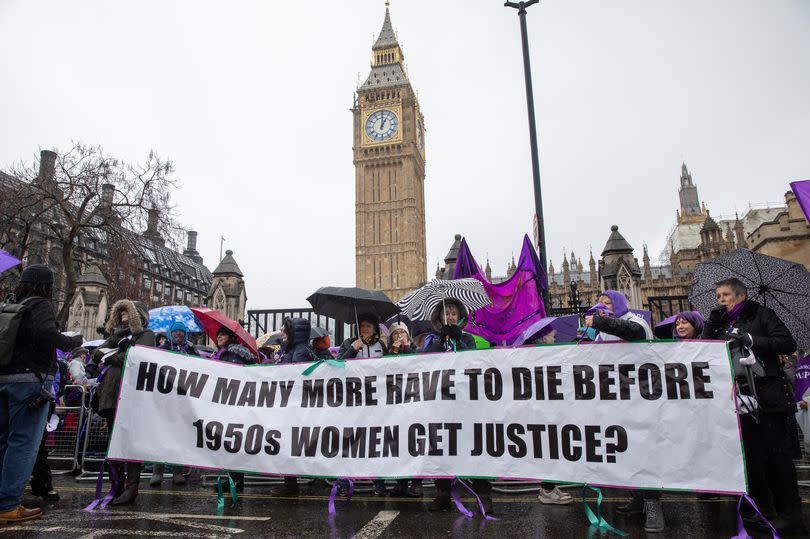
(389, 160)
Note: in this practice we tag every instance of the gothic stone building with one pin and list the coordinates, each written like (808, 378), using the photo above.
(780, 231)
(162, 275)
(389, 160)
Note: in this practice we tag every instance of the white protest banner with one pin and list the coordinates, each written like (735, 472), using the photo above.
(645, 415)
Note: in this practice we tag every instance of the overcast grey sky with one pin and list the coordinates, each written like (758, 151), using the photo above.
(251, 100)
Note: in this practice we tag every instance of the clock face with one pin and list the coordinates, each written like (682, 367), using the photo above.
(382, 125)
(420, 136)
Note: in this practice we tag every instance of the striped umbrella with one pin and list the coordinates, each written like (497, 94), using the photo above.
(419, 304)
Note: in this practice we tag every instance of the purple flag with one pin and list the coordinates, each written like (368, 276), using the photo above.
(7, 261)
(802, 191)
(517, 303)
(803, 378)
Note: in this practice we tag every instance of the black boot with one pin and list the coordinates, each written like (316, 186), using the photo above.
(486, 503)
(157, 475)
(441, 502)
(178, 475)
(634, 507)
(788, 522)
(289, 488)
(133, 473)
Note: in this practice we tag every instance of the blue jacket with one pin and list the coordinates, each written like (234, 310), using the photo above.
(297, 348)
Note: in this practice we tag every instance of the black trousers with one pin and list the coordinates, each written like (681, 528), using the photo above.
(769, 450)
(481, 486)
(41, 480)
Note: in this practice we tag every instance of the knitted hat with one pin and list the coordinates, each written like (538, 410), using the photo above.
(178, 326)
(397, 326)
(37, 274)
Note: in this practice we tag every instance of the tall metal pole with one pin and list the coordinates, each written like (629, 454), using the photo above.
(538, 197)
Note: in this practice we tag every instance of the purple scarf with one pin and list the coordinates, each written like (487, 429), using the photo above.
(732, 314)
(619, 301)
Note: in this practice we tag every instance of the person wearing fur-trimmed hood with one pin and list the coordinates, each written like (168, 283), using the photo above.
(126, 327)
(449, 319)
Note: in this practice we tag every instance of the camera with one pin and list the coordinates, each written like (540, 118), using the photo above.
(43, 397)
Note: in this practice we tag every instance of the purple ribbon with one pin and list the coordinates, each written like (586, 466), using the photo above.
(115, 483)
(742, 533)
(333, 493)
(460, 506)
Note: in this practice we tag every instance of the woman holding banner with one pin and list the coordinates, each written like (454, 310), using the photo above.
(767, 439)
(449, 319)
(126, 327)
(612, 318)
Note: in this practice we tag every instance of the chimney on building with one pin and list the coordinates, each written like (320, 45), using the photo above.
(152, 227)
(191, 247)
(47, 166)
(46, 178)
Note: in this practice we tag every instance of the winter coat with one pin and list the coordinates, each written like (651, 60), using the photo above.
(628, 327)
(375, 349)
(297, 348)
(410, 349)
(235, 353)
(133, 331)
(771, 339)
(186, 348)
(323, 354)
(439, 344)
(38, 337)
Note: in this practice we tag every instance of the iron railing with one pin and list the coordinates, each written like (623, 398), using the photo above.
(262, 321)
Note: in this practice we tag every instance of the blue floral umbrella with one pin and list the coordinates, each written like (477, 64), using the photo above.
(162, 318)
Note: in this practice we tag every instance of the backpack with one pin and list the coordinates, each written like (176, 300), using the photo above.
(11, 315)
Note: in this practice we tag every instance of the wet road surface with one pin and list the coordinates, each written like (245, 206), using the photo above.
(190, 511)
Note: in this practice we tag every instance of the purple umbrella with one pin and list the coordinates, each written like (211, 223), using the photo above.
(565, 326)
(7, 261)
(802, 191)
(663, 329)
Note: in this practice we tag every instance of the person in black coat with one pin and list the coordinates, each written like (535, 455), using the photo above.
(25, 384)
(449, 319)
(230, 351)
(368, 343)
(448, 328)
(295, 347)
(769, 446)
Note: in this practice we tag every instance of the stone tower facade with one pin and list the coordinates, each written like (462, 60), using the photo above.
(227, 293)
(90, 302)
(389, 159)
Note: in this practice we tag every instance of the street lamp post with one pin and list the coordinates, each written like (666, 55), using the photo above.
(538, 198)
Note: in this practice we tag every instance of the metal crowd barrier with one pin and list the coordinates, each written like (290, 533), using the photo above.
(63, 443)
(94, 446)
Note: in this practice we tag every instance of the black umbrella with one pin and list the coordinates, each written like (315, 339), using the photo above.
(316, 332)
(778, 284)
(345, 304)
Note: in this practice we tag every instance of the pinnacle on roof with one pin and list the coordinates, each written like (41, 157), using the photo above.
(709, 223)
(228, 266)
(92, 275)
(452, 254)
(387, 38)
(616, 243)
